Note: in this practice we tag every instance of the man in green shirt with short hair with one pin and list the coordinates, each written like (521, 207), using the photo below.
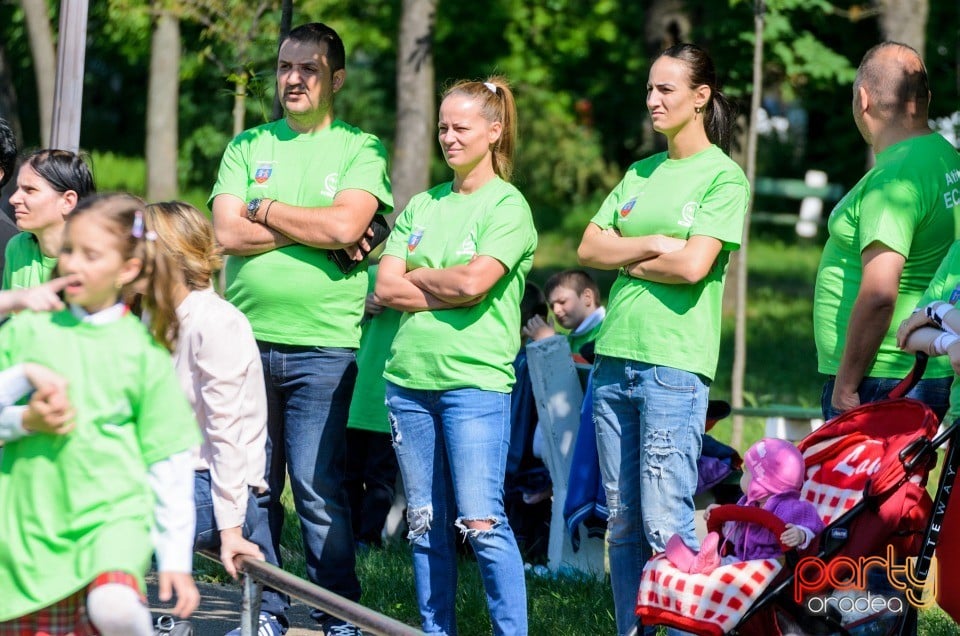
(887, 238)
(288, 193)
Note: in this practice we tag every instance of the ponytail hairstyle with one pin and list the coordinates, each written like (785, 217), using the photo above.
(496, 105)
(718, 113)
(185, 236)
(122, 216)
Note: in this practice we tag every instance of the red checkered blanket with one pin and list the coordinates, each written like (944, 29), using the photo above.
(708, 604)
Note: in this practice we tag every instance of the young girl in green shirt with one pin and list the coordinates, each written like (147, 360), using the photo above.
(82, 510)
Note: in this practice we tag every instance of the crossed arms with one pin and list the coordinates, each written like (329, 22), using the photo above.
(342, 224)
(657, 258)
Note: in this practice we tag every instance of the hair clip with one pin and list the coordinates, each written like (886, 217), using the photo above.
(491, 86)
(137, 230)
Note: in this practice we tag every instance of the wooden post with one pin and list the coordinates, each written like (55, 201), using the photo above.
(740, 326)
(68, 93)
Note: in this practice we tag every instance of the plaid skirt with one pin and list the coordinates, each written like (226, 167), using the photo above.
(68, 616)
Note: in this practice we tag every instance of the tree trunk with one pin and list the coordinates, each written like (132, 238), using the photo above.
(240, 103)
(286, 21)
(416, 104)
(37, 17)
(740, 331)
(904, 21)
(163, 93)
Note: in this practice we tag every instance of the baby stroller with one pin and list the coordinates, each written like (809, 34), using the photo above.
(866, 472)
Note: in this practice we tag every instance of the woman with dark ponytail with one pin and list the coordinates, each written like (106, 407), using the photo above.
(669, 227)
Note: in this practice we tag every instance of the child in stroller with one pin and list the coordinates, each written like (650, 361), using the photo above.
(866, 472)
(772, 478)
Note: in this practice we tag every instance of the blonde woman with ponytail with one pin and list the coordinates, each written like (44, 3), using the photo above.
(456, 263)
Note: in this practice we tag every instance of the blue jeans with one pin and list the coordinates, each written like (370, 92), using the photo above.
(452, 450)
(255, 529)
(649, 422)
(934, 392)
(308, 399)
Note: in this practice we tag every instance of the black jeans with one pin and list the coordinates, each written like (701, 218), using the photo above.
(369, 481)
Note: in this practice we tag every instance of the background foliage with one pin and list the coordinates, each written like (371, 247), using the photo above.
(579, 69)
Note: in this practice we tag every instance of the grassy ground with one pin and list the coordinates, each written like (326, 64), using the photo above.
(781, 369)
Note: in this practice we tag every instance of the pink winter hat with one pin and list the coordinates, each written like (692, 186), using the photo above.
(775, 466)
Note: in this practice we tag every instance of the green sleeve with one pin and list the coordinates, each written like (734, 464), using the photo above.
(368, 171)
(935, 290)
(165, 422)
(397, 241)
(889, 214)
(232, 177)
(8, 260)
(606, 216)
(722, 212)
(507, 232)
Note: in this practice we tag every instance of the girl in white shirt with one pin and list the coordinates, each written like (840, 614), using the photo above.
(218, 363)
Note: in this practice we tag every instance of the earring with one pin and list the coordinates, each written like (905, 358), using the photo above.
(117, 284)
(698, 109)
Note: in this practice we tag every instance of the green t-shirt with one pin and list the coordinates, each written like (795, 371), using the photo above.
(907, 203)
(368, 409)
(295, 295)
(24, 263)
(469, 347)
(673, 325)
(945, 285)
(77, 505)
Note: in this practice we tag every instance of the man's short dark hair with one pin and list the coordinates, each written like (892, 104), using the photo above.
(893, 87)
(317, 33)
(575, 279)
(8, 152)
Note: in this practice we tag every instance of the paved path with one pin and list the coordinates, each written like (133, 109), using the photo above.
(219, 610)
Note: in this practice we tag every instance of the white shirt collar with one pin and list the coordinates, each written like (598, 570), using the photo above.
(590, 321)
(102, 317)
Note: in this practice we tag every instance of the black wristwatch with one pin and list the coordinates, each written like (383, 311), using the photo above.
(252, 208)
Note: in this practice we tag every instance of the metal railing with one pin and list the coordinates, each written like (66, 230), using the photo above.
(257, 574)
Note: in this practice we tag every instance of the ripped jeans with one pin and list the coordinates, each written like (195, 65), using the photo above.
(452, 450)
(649, 422)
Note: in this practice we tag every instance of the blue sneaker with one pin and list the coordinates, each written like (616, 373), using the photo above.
(269, 626)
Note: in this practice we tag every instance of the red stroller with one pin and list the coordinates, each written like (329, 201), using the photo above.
(866, 472)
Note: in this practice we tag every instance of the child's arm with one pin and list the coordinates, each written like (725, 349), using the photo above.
(171, 480)
(796, 536)
(939, 315)
(934, 342)
(40, 298)
(48, 411)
